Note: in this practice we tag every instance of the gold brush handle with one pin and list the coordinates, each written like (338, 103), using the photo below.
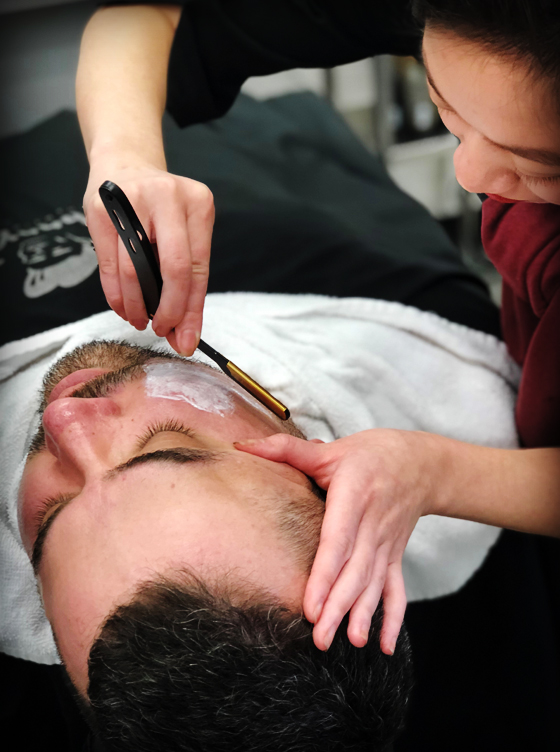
(258, 391)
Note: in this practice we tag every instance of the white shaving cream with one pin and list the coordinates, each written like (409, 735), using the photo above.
(197, 386)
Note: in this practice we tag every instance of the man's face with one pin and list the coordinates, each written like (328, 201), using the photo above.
(136, 475)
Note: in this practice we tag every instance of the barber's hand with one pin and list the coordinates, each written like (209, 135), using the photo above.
(378, 483)
(178, 215)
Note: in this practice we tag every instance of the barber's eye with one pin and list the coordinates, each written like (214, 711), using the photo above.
(550, 180)
(167, 426)
(447, 111)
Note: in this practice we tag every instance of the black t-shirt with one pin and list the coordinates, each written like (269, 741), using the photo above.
(221, 43)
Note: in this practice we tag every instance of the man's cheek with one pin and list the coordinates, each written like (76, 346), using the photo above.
(40, 481)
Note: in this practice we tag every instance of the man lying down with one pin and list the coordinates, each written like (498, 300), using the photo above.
(170, 566)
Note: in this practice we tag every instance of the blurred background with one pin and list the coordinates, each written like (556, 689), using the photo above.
(384, 100)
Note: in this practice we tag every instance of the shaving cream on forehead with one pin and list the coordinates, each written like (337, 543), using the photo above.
(185, 383)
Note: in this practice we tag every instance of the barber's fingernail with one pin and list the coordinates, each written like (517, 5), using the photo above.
(197, 339)
(316, 613)
(187, 343)
(329, 637)
(246, 442)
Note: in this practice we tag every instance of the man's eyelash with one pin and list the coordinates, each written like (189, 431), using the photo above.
(545, 180)
(46, 505)
(172, 425)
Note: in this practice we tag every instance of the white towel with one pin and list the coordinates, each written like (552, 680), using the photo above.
(341, 366)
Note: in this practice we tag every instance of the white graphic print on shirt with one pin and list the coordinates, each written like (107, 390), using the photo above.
(53, 255)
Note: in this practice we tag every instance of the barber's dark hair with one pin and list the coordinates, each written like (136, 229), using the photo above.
(184, 668)
(527, 30)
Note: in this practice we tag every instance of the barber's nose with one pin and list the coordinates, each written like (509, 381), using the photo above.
(483, 168)
(78, 430)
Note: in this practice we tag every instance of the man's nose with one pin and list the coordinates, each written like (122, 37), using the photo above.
(78, 431)
(481, 167)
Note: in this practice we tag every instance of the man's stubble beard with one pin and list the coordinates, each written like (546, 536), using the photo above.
(99, 354)
(118, 357)
(125, 362)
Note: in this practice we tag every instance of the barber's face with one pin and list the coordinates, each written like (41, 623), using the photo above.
(136, 474)
(507, 122)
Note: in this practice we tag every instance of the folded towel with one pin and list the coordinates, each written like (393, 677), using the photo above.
(341, 366)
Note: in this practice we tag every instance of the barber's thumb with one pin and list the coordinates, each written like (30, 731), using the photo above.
(281, 447)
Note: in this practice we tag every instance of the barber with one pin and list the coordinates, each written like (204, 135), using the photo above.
(136, 58)
(495, 85)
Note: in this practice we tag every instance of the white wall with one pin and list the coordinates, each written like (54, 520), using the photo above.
(38, 59)
(353, 84)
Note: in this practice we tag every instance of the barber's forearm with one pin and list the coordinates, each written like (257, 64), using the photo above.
(121, 91)
(122, 82)
(517, 489)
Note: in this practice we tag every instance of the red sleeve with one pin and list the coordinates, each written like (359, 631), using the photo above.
(523, 242)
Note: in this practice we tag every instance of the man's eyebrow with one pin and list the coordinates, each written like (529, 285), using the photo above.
(178, 455)
(542, 156)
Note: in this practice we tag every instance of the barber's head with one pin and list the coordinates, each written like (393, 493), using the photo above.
(494, 74)
(134, 479)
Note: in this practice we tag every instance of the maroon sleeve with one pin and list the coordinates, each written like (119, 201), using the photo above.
(523, 242)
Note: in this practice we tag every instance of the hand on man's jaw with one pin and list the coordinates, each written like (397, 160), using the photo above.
(141, 479)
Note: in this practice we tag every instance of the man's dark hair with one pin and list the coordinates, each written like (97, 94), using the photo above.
(184, 668)
(525, 30)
